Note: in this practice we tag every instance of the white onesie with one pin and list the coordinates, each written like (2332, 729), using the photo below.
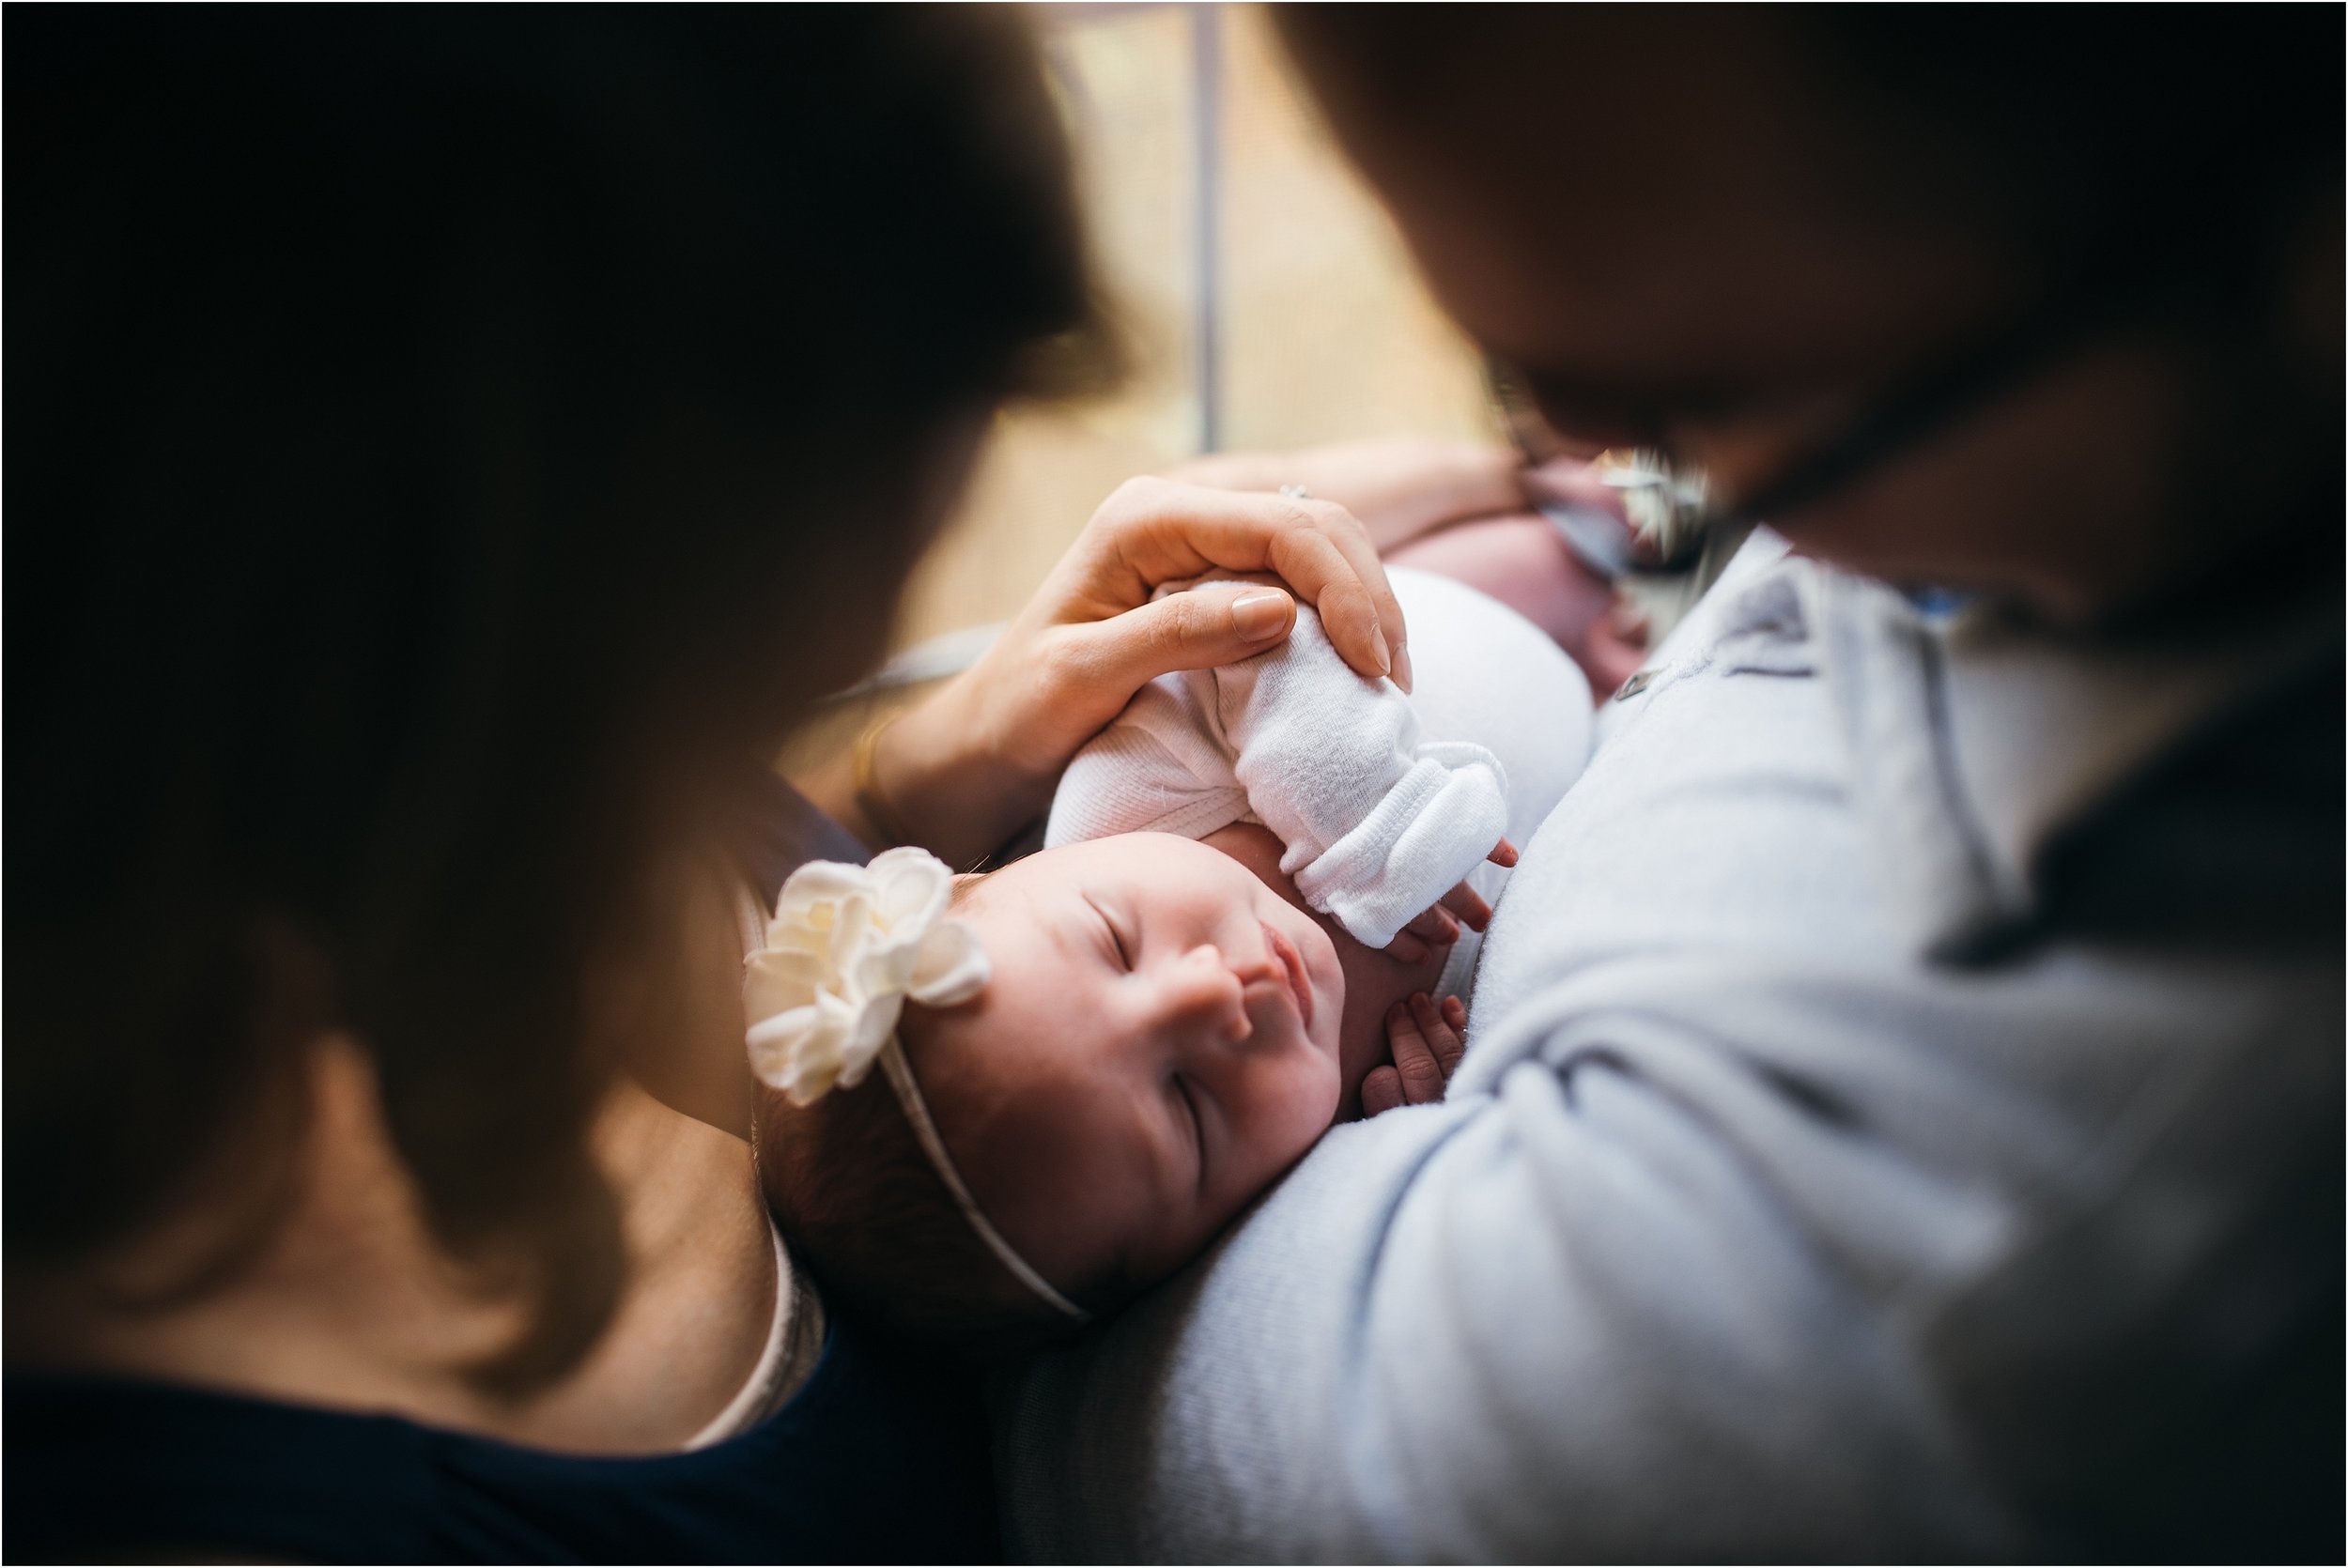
(1383, 801)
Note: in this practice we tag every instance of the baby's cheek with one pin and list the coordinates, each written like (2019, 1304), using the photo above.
(1287, 1114)
(1310, 1104)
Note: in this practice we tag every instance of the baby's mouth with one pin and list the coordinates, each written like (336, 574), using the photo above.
(1292, 966)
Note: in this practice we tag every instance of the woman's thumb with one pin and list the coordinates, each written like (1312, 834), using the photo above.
(1195, 629)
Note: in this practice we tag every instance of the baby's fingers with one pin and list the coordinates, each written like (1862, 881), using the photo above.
(1469, 905)
(1414, 1060)
(1382, 1091)
(1440, 1025)
(1433, 928)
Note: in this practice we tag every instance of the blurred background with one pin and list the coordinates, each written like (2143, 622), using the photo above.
(1266, 299)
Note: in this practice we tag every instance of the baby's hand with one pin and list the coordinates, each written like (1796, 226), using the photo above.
(1439, 927)
(1424, 1041)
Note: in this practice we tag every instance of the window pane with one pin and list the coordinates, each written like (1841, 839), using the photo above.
(1322, 331)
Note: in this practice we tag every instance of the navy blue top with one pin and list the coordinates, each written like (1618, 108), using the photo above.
(879, 1458)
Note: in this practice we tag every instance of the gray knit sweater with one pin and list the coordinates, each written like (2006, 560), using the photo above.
(1901, 1115)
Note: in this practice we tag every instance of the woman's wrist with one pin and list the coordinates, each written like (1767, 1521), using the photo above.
(872, 800)
(939, 782)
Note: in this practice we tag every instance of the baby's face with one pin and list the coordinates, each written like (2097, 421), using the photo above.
(1158, 1043)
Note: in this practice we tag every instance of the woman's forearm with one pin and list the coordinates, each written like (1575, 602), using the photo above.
(1399, 486)
(951, 790)
(932, 779)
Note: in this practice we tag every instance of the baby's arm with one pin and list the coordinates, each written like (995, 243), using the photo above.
(1157, 768)
(1379, 824)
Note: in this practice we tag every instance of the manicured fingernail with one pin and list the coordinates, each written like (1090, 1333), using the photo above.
(1402, 667)
(1259, 615)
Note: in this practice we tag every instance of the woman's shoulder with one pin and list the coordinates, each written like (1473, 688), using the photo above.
(99, 1462)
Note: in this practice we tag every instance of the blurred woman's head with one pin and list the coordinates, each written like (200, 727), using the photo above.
(448, 450)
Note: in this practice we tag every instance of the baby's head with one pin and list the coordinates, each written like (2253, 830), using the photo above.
(1156, 1044)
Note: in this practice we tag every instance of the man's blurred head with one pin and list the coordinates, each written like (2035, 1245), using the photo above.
(2110, 275)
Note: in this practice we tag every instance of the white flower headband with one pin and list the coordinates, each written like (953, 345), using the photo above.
(848, 946)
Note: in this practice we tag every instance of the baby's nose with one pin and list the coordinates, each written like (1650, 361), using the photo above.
(1252, 964)
(1206, 987)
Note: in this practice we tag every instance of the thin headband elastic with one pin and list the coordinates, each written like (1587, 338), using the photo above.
(900, 1071)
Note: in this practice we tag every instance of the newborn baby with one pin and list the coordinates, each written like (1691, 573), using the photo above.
(1243, 916)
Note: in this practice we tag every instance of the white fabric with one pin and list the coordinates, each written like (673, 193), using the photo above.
(848, 948)
(1894, 1074)
(757, 1398)
(1383, 801)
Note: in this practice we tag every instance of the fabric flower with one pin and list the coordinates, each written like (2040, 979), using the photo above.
(847, 946)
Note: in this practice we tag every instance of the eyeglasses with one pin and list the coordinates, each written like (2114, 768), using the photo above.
(1667, 503)
(1660, 503)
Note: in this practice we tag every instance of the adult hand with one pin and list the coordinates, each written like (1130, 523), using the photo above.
(966, 768)
(1399, 487)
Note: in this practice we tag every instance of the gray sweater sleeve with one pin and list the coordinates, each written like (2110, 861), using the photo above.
(1755, 1225)
(1559, 1320)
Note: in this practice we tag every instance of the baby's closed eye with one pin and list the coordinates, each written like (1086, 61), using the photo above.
(1185, 1095)
(1113, 938)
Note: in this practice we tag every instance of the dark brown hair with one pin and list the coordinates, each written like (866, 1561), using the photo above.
(449, 448)
(849, 1184)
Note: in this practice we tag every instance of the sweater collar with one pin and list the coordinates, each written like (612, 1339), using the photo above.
(1977, 741)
